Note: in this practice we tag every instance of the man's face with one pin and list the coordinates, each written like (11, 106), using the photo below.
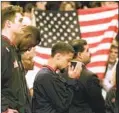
(85, 55)
(113, 55)
(17, 24)
(64, 60)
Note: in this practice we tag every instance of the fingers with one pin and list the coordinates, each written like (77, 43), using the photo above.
(78, 66)
(75, 72)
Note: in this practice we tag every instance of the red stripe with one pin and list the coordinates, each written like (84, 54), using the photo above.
(99, 21)
(100, 75)
(105, 40)
(45, 56)
(94, 10)
(38, 65)
(101, 52)
(98, 33)
(96, 64)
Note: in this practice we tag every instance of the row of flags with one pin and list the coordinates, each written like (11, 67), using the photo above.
(98, 26)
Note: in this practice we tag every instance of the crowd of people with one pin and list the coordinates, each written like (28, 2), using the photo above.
(60, 86)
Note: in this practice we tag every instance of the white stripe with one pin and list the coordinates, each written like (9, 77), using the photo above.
(95, 16)
(100, 47)
(40, 60)
(43, 50)
(99, 58)
(99, 69)
(108, 34)
(99, 27)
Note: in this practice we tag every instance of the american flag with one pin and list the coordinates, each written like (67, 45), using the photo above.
(98, 26)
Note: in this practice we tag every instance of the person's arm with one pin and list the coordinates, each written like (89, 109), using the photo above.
(96, 100)
(6, 73)
(5, 76)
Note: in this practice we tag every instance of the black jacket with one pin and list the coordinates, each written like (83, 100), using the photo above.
(87, 96)
(14, 92)
(51, 92)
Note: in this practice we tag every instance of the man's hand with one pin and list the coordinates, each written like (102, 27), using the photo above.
(10, 111)
(75, 72)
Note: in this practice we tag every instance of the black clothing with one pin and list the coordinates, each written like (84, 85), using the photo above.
(14, 92)
(117, 85)
(51, 92)
(110, 101)
(87, 96)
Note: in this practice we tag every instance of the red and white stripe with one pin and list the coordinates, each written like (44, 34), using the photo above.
(98, 27)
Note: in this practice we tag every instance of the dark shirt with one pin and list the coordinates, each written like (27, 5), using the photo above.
(87, 96)
(52, 93)
(14, 92)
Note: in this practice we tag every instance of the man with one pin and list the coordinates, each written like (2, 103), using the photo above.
(109, 80)
(87, 97)
(14, 93)
(52, 93)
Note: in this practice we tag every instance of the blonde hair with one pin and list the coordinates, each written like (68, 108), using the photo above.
(63, 5)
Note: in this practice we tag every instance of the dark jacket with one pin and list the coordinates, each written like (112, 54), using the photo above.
(117, 85)
(14, 92)
(51, 92)
(87, 96)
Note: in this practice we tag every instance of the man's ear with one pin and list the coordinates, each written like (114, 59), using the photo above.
(8, 23)
(58, 56)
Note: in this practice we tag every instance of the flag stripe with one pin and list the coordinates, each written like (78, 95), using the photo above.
(100, 15)
(105, 40)
(38, 65)
(98, 33)
(99, 21)
(101, 63)
(97, 10)
(100, 52)
(45, 56)
(96, 39)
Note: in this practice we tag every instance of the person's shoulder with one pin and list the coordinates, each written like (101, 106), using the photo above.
(87, 74)
(43, 74)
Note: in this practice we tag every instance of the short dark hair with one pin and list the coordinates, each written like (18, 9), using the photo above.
(9, 13)
(34, 31)
(114, 46)
(61, 47)
(78, 45)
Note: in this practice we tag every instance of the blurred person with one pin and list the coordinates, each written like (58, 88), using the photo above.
(5, 4)
(52, 93)
(27, 59)
(14, 93)
(53, 5)
(87, 97)
(67, 6)
(109, 3)
(109, 79)
(28, 10)
(94, 4)
(41, 5)
(28, 14)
